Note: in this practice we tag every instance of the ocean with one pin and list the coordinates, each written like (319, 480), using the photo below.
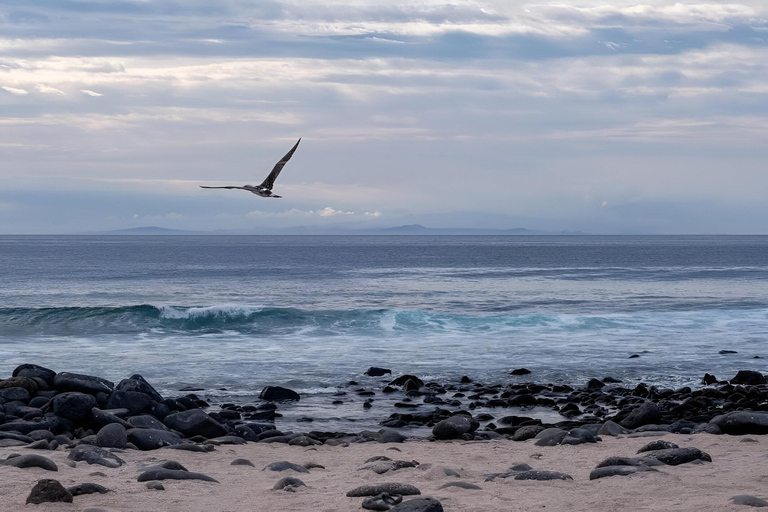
(232, 314)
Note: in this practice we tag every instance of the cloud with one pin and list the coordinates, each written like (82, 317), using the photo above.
(14, 90)
(91, 93)
(49, 90)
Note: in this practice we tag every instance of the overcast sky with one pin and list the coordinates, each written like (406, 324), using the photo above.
(617, 117)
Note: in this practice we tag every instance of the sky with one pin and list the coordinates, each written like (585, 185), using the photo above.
(620, 117)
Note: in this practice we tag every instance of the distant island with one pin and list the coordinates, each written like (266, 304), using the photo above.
(407, 229)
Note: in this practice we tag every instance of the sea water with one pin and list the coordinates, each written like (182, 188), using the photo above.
(232, 314)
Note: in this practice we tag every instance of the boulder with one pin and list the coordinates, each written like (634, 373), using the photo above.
(112, 436)
(646, 414)
(14, 393)
(742, 422)
(74, 405)
(278, 394)
(35, 371)
(49, 491)
(748, 377)
(137, 383)
(66, 381)
(135, 401)
(195, 422)
(151, 439)
(454, 427)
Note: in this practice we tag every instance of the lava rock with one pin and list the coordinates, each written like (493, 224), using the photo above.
(95, 455)
(284, 465)
(87, 488)
(49, 491)
(66, 381)
(454, 427)
(375, 371)
(646, 414)
(748, 377)
(112, 436)
(74, 405)
(391, 488)
(151, 439)
(288, 483)
(419, 505)
(31, 461)
(742, 422)
(195, 422)
(278, 394)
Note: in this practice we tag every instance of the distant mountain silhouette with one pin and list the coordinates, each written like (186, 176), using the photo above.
(148, 230)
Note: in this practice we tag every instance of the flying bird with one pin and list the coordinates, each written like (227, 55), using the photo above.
(265, 189)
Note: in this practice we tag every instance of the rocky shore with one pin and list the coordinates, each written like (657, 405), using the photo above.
(89, 421)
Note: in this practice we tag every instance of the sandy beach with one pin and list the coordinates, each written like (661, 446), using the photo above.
(737, 467)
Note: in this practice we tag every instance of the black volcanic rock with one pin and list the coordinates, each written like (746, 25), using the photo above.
(748, 377)
(49, 491)
(73, 405)
(195, 422)
(66, 381)
(277, 394)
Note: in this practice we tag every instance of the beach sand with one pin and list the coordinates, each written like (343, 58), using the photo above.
(737, 467)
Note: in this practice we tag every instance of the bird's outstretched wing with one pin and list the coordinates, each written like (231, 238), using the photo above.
(270, 181)
(231, 186)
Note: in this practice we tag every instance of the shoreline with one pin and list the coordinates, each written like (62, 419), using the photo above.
(84, 429)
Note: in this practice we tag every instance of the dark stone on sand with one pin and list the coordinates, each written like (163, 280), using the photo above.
(659, 444)
(461, 485)
(134, 401)
(748, 377)
(74, 405)
(628, 461)
(454, 427)
(677, 456)
(112, 436)
(101, 418)
(195, 422)
(242, 462)
(607, 471)
(288, 483)
(138, 383)
(375, 371)
(578, 436)
(419, 505)
(278, 394)
(151, 439)
(527, 432)
(284, 465)
(31, 460)
(87, 488)
(610, 428)
(550, 437)
(647, 413)
(49, 491)
(189, 447)
(375, 489)
(35, 371)
(742, 422)
(520, 371)
(66, 381)
(95, 455)
(748, 500)
(542, 475)
(146, 421)
(172, 474)
(41, 444)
